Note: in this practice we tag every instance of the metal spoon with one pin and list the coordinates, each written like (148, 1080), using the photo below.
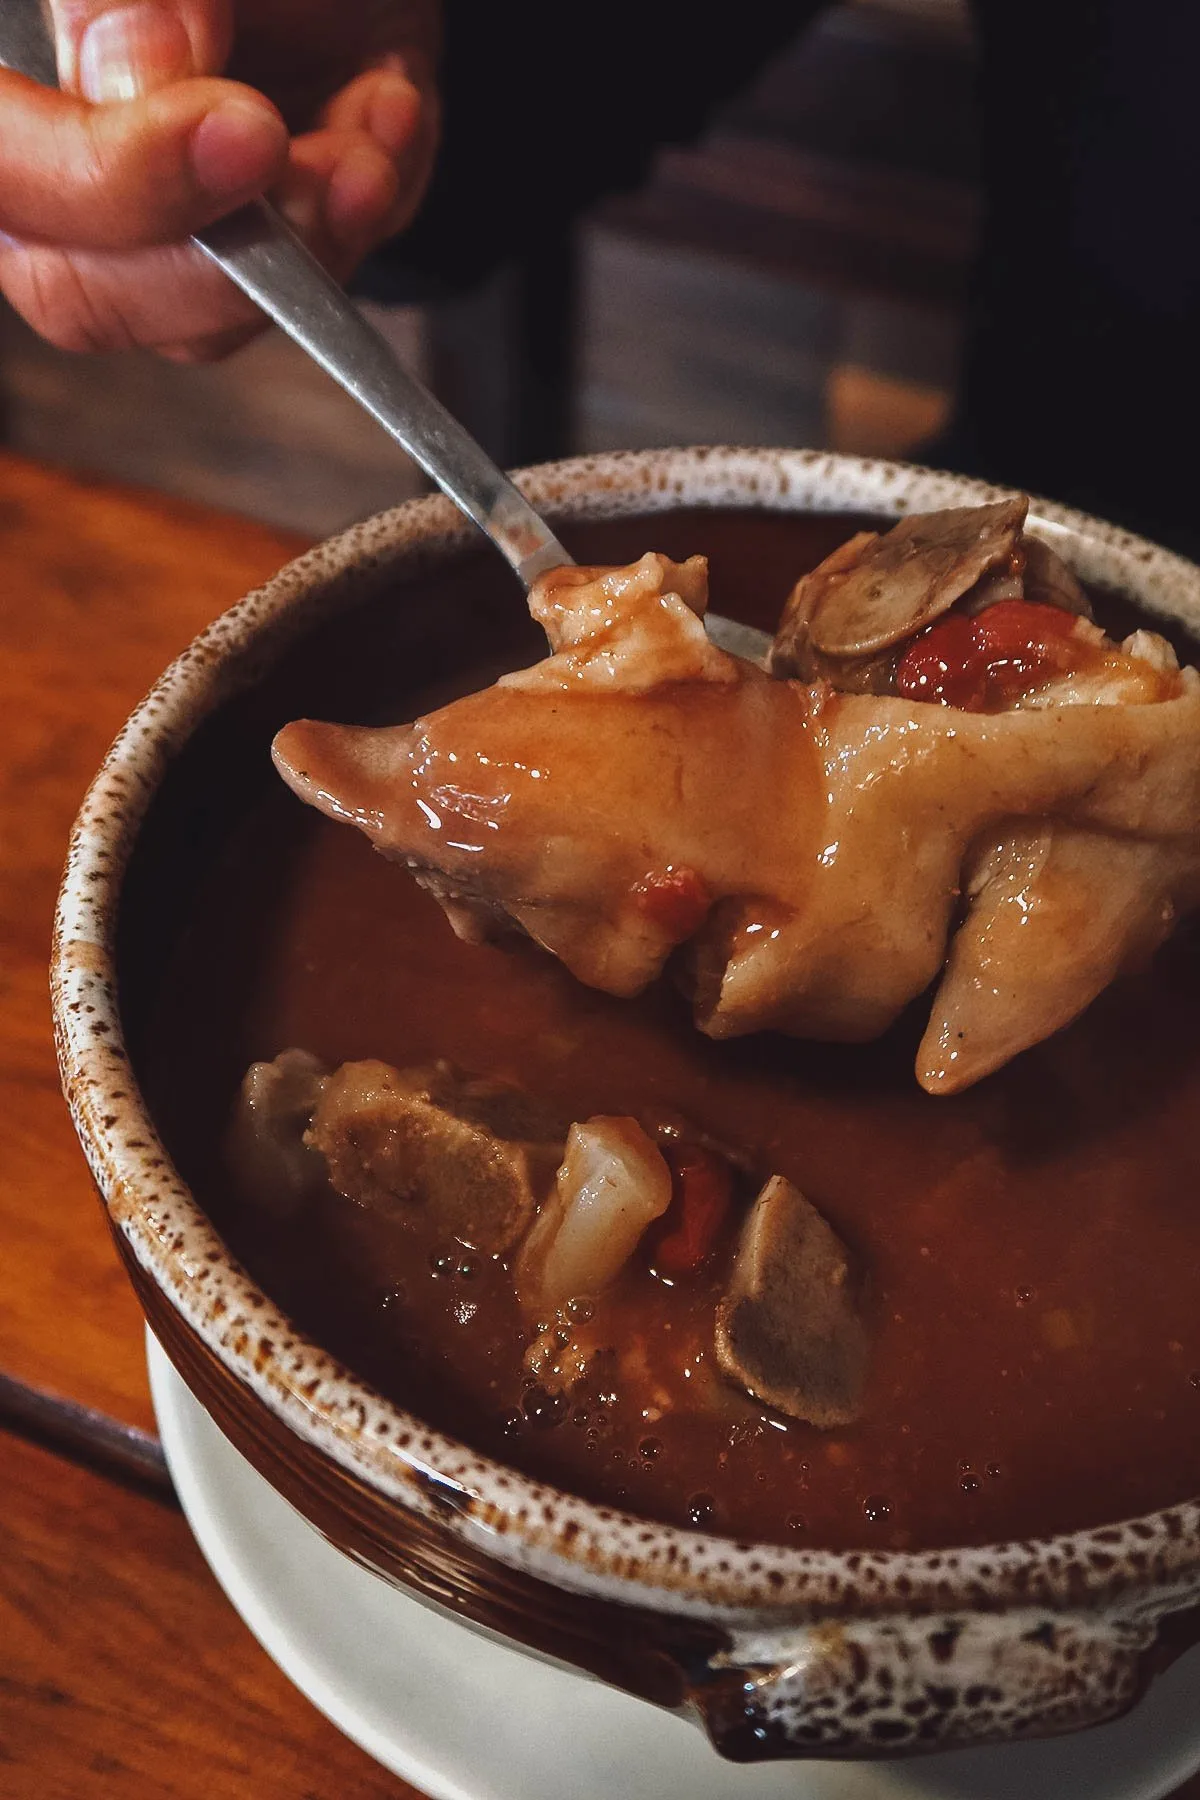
(259, 251)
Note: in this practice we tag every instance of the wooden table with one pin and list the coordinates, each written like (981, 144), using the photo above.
(123, 1670)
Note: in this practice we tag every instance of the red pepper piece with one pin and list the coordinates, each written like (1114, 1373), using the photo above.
(703, 1192)
(943, 664)
(1013, 626)
(986, 661)
(676, 900)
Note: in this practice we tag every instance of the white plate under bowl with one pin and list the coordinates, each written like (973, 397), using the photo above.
(466, 1718)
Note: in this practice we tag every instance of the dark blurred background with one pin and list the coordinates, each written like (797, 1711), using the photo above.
(798, 276)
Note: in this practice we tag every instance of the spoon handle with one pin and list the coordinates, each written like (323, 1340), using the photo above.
(258, 250)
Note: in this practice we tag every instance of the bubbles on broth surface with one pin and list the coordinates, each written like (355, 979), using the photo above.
(700, 1510)
(543, 1409)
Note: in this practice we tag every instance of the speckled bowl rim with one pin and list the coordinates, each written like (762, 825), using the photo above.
(523, 1523)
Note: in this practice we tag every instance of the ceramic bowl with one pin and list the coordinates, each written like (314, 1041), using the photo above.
(775, 1651)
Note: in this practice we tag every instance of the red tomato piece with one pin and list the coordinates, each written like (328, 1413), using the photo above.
(676, 900)
(1025, 642)
(986, 661)
(943, 664)
(703, 1192)
(1023, 622)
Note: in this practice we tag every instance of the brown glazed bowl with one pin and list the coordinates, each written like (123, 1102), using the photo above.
(777, 1652)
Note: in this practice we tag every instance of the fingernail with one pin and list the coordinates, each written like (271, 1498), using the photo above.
(238, 147)
(131, 50)
(393, 113)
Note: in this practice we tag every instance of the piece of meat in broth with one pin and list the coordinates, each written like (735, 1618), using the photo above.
(591, 800)
(790, 1329)
(265, 1150)
(612, 1184)
(1054, 913)
(903, 780)
(478, 1155)
(641, 790)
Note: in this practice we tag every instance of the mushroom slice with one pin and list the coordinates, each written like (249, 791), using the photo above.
(1004, 582)
(789, 1330)
(1034, 572)
(476, 1153)
(893, 586)
(266, 1151)
(1049, 581)
(613, 1183)
(792, 653)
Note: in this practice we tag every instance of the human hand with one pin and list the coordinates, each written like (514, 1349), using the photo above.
(101, 185)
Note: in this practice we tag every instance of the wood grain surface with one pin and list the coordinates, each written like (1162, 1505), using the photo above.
(99, 588)
(123, 1670)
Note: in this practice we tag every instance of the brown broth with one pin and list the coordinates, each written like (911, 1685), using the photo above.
(1032, 1244)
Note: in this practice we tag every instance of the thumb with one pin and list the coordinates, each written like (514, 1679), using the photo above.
(150, 171)
(118, 51)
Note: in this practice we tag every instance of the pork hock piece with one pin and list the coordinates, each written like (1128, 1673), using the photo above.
(949, 772)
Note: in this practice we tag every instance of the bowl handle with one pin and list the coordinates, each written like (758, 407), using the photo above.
(884, 1686)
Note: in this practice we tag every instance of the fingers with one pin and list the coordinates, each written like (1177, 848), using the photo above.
(384, 102)
(117, 49)
(95, 300)
(103, 194)
(339, 192)
(399, 115)
(120, 177)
